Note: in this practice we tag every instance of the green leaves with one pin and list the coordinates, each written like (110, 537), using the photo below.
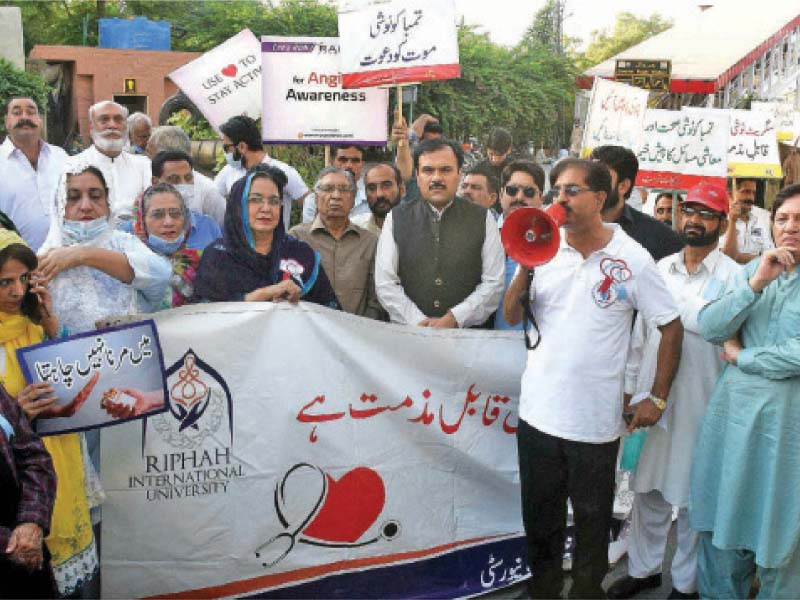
(15, 82)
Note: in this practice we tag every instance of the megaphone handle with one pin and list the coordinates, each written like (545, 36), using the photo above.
(527, 314)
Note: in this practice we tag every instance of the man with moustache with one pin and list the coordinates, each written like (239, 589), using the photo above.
(127, 175)
(521, 185)
(695, 276)
(440, 261)
(745, 473)
(29, 171)
(658, 240)
(479, 186)
(749, 233)
(351, 159)
(571, 398)
(663, 208)
(385, 189)
(346, 250)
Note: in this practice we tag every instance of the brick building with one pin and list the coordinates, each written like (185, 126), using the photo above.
(137, 79)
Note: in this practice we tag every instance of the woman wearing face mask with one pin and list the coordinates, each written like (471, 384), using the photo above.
(26, 316)
(96, 271)
(170, 229)
(256, 260)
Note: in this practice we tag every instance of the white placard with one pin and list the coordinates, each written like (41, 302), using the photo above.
(678, 149)
(615, 116)
(304, 101)
(395, 41)
(225, 81)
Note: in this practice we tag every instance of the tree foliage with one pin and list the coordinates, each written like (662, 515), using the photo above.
(628, 31)
(15, 82)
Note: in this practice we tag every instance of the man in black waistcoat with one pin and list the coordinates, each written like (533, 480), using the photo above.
(439, 261)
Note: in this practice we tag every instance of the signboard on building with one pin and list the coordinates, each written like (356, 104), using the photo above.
(645, 74)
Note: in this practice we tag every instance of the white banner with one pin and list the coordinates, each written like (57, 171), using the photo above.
(753, 145)
(225, 81)
(787, 119)
(678, 149)
(319, 451)
(386, 42)
(615, 116)
(304, 101)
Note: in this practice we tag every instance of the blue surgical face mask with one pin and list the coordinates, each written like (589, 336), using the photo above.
(84, 231)
(162, 246)
(233, 163)
(137, 149)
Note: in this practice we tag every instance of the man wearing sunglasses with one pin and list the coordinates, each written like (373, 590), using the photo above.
(522, 183)
(571, 399)
(658, 240)
(695, 276)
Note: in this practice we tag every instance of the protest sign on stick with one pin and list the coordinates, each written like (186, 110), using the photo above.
(615, 116)
(385, 42)
(225, 81)
(100, 378)
(304, 102)
(787, 120)
(678, 149)
(753, 145)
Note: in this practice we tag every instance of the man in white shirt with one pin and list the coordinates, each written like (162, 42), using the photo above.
(750, 223)
(350, 158)
(241, 142)
(440, 262)
(571, 400)
(127, 175)
(695, 276)
(29, 171)
(204, 199)
(140, 128)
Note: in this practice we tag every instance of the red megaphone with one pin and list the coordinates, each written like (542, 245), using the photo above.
(530, 235)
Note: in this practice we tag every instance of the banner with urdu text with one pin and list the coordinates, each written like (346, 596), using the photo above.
(311, 453)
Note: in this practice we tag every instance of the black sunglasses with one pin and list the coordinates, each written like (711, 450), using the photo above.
(528, 192)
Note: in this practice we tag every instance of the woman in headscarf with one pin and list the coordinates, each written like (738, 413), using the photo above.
(26, 315)
(166, 225)
(256, 260)
(95, 270)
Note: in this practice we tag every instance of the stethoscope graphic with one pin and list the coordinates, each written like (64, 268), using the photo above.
(279, 546)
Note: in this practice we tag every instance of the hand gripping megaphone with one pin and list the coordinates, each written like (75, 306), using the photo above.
(530, 235)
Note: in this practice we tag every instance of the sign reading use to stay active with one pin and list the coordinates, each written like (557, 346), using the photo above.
(304, 102)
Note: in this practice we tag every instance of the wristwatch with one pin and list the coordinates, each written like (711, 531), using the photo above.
(660, 403)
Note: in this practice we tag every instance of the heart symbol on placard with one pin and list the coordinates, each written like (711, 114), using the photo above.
(351, 507)
(229, 71)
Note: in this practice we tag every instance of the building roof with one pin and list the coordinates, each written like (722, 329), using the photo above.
(711, 48)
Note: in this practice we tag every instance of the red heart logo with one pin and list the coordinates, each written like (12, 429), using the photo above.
(351, 506)
(229, 71)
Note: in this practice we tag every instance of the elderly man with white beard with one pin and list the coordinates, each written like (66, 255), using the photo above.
(128, 175)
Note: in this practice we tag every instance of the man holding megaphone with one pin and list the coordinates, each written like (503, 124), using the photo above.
(586, 288)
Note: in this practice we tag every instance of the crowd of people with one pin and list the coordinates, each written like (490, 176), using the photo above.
(684, 323)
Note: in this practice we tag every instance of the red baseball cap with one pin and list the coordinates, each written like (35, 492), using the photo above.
(710, 195)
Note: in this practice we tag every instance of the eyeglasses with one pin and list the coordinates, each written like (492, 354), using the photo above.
(257, 200)
(158, 214)
(570, 190)
(355, 160)
(706, 215)
(528, 192)
(329, 188)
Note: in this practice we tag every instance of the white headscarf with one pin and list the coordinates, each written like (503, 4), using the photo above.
(56, 237)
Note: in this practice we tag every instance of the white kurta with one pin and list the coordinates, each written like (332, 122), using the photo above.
(666, 458)
(127, 176)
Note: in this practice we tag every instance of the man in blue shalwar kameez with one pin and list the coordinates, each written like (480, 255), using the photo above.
(745, 483)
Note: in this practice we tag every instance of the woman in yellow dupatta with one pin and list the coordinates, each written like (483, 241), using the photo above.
(25, 316)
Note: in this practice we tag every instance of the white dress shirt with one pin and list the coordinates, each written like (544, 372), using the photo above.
(753, 236)
(207, 199)
(127, 176)
(666, 459)
(294, 190)
(573, 383)
(474, 310)
(26, 192)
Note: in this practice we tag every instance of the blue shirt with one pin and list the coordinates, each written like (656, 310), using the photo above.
(202, 232)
